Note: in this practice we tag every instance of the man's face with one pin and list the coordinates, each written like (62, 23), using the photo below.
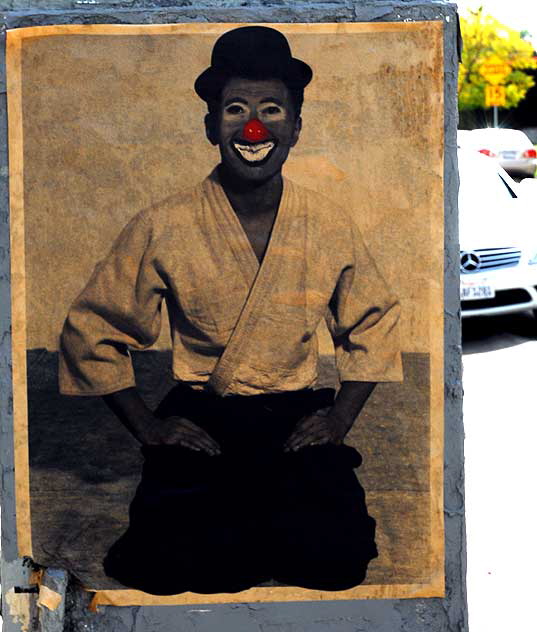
(254, 152)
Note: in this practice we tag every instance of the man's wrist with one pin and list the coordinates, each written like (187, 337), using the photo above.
(340, 421)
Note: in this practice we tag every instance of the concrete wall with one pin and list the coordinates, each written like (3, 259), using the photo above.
(413, 615)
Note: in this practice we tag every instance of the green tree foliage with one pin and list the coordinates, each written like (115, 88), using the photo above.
(484, 36)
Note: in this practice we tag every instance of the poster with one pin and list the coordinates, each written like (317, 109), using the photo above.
(104, 122)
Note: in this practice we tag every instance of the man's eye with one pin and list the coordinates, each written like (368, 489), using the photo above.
(234, 109)
(272, 110)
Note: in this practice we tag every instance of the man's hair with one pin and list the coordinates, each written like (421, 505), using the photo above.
(296, 95)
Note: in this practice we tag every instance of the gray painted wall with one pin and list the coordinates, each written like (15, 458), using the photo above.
(411, 615)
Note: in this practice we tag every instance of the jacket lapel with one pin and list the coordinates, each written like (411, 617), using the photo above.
(261, 276)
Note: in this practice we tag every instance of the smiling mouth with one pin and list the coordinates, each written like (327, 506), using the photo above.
(255, 152)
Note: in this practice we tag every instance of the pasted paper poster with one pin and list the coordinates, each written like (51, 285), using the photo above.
(227, 264)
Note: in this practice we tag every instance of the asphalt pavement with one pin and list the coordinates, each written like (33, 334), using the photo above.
(500, 419)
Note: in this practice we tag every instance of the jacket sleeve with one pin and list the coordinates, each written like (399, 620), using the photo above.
(363, 319)
(120, 307)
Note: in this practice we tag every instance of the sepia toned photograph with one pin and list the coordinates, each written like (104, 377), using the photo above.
(227, 262)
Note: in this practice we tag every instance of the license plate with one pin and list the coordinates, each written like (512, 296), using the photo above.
(476, 292)
(509, 155)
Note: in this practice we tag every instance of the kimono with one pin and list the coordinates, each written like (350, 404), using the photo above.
(245, 360)
(237, 326)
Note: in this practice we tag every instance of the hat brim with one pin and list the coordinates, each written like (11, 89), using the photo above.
(295, 74)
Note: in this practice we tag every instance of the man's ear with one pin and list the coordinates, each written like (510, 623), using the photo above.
(210, 128)
(296, 131)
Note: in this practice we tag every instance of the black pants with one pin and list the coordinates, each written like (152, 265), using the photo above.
(212, 524)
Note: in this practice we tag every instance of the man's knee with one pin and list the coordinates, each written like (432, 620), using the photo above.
(325, 574)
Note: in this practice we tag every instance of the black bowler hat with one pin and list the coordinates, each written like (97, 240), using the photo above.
(251, 52)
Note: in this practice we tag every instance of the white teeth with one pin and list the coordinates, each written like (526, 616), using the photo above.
(254, 153)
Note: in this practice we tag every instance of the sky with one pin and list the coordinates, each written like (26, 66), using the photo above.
(518, 14)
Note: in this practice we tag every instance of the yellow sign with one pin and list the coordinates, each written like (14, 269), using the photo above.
(494, 95)
(494, 70)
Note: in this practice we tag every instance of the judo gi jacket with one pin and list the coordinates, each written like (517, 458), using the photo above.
(237, 326)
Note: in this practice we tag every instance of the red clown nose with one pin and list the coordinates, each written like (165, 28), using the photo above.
(254, 131)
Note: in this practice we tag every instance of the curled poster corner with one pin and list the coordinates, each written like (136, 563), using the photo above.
(94, 603)
(48, 598)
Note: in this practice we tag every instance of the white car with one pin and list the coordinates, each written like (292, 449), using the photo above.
(510, 147)
(498, 240)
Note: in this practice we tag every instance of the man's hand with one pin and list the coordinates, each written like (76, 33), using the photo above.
(148, 430)
(317, 429)
(183, 432)
(330, 425)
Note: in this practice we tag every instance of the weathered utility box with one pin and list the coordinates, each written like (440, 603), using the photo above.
(278, 182)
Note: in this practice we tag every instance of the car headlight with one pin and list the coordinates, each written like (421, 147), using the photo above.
(533, 260)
